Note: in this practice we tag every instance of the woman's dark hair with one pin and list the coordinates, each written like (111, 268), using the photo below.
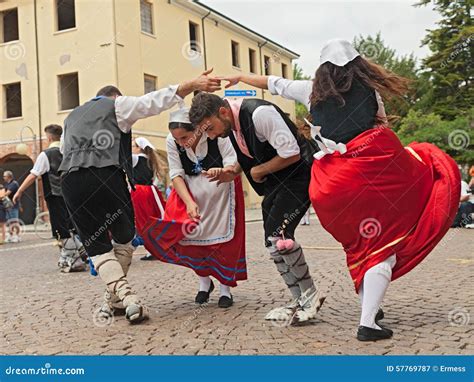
(181, 125)
(332, 81)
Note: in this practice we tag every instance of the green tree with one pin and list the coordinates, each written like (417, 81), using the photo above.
(450, 63)
(456, 137)
(300, 109)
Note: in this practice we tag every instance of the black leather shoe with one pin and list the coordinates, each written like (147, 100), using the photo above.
(379, 316)
(148, 257)
(225, 302)
(365, 333)
(202, 297)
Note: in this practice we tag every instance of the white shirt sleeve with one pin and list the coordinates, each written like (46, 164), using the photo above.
(229, 156)
(381, 110)
(271, 127)
(297, 90)
(130, 109)
(174, 162)
(61, 144)
(41, 165)
(464, 188)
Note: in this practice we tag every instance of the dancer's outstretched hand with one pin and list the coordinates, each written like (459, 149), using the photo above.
(206, 83)
(231, 80)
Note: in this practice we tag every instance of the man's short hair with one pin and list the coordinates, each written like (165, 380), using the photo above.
(54, 130)
(8, 173)
(204, 105)
(109, 91)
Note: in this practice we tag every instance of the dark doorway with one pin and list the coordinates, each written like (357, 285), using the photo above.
(21, 165)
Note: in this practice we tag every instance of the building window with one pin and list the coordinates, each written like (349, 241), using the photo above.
(66, 14)
(194, 37)
(266, 62)
(12, 96)
(235, 54)
(68, 91)
(284, 70)
(252, 60)
(146, 16)
(149, 83)
(9, 25)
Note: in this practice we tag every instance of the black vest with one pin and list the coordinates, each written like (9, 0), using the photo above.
(262, 151)
(212, 159)
(142, 173)
(51, 179)
(92, 138)
(343, 123)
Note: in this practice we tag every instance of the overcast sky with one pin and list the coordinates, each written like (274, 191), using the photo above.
(304, 26)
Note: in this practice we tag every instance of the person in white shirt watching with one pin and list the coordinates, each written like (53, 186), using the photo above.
(46, 166)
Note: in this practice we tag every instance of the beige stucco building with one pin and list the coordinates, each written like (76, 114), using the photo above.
(55, 54)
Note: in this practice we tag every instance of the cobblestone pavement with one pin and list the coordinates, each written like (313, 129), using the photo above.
(46, 312)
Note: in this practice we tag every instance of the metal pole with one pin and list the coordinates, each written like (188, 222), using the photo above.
(37, 209)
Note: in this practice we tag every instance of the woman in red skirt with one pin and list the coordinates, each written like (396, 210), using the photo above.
(150, 185)
(388, 205)
(203, 227)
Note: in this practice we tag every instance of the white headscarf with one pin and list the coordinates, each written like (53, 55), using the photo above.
(143, 143)
(338, 52)
(181, 115)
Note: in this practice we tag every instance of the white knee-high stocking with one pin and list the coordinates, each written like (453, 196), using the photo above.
(372, 291)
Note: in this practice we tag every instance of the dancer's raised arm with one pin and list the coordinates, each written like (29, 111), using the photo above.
(297, 90)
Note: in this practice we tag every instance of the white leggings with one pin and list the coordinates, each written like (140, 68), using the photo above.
(372, 290)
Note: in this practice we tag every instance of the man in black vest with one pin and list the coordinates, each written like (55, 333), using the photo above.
(46, 166)
(97, 159)
(270, 153)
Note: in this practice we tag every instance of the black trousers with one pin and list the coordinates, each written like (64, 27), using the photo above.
(284, 204)
(99, 202)
(61, 223)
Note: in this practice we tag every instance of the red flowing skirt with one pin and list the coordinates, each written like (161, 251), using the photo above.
(225, 261)
(147, 203)
(380, 199)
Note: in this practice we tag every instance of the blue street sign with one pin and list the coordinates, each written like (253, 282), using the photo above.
(240, 93)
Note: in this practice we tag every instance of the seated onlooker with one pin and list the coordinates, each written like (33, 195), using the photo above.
(3, 214)
(466, 207)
